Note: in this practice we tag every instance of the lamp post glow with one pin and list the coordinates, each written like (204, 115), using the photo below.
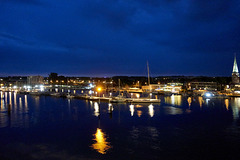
(99, 90)
(138, 95)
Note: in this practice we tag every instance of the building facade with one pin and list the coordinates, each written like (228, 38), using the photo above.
(202, 86)
(35, 80)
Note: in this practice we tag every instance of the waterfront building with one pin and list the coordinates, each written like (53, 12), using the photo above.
(14, 81)
(150, 87)
(35, 80)
(174, 88)
(210, 86)
(134, 90)
(164, 88)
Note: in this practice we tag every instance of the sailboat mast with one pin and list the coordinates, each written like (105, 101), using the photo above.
(148, 74)
(119, 86)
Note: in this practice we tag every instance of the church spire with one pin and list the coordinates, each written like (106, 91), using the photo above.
(235, 66)
(235, 74)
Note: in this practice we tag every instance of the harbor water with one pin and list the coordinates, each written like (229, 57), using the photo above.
(45, 127)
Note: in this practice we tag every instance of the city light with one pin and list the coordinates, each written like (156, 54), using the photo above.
(90, 92)
(110, 107)
(208, 94)
(137, 95)
(41, 88)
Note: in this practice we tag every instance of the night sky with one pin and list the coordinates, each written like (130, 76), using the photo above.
(118, 37)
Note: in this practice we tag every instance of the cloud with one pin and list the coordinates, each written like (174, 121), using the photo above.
(9, 36)
(121, 32)
(116, 14)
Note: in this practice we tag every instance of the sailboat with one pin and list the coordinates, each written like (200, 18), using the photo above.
(69, 96)
(119, 98)
(148, 87)
(144, 99)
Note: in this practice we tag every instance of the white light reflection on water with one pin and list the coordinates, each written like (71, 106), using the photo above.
(96, 109)
(172, 110)
(207, 101)
(26, 102)
(91, 103)
(69, 107)
(235, 107)
(6, 98)
(12, 112)
(110, 107)
(151, 110)
(15, 99)
(20, 103)
(3, 115)
(131, 107)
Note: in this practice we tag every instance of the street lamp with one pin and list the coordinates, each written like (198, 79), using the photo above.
(99, 90)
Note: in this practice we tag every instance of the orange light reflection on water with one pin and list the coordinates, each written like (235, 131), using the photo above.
(175, 100)
(139, 113)
(189, 101)
(101, 145)
(227, 104)
(200, 100)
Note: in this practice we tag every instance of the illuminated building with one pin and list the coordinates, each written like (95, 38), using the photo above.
(150, 87)
(35, 80)
(164, 88)
(235, 73)
(212, 86)
(235, 85)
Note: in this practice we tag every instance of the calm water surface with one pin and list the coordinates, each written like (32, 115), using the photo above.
(178, 128)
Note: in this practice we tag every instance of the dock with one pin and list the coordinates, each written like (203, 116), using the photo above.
(94, 98)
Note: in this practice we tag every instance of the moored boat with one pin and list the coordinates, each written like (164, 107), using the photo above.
(143, 100)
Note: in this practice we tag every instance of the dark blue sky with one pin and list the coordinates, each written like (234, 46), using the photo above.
(117, 37)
